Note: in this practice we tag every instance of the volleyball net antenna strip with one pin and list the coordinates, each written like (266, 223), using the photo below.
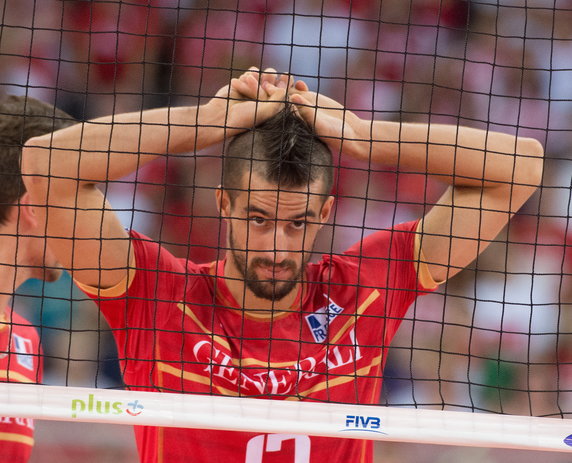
(484, 360)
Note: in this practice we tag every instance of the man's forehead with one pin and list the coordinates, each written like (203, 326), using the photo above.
(255, 183)
(271, 199)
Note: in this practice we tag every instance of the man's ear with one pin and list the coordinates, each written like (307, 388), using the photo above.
(326, 210)
(223, 202)
(24, 213)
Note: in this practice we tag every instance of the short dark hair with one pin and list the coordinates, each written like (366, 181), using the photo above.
(22, 118)
(283, 150)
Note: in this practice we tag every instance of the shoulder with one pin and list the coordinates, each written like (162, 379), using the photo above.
(153, 270)
(378, 259)
(150, 253)
(386, 242)
(378, 248)
(23, 328)
(18, 319)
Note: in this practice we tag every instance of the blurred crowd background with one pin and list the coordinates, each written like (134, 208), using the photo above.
(498, 337)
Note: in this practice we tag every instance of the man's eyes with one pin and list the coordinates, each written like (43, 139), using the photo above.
(295, 224)
(258, 220)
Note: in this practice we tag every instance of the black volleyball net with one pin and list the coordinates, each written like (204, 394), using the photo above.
(494, 338)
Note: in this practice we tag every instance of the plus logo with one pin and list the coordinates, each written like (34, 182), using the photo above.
(135, 408)
(363, 423)
(92, 405)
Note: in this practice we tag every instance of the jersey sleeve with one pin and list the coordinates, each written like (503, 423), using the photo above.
(397, 248)
(387, 260)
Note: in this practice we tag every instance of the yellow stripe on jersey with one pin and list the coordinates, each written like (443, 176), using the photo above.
(187, 375)
(14, 376)
(115, 291)
(263, 316)
(4, 321)
(361, 309)
(247, 362)
(420, 262)
(160, 430)
(363, 451)
(14, 437)
(339, 380)
(187, 311)
(160, 444)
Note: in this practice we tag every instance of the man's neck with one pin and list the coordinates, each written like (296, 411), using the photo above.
(11, 276)
(7, 286)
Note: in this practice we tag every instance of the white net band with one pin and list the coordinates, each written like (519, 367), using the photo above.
(287, 417)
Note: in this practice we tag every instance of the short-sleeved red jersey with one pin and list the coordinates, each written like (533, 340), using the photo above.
(20, 362)
(179, 329)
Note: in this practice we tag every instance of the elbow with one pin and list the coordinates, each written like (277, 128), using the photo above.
(530, 159)
(531, 147)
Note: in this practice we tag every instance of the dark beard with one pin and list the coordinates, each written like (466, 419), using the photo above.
(272, 289)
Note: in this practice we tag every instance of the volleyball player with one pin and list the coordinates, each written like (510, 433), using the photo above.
(23, 255)
(263, 322)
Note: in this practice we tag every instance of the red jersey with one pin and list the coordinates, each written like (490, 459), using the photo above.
(179, 329)
(20, 362)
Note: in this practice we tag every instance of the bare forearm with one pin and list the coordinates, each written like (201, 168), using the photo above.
(111, 147)
(461, 156)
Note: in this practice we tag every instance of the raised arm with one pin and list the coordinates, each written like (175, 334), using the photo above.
(491, 174)
(61, 170)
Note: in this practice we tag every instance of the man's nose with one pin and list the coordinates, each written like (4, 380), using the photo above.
(279, 246)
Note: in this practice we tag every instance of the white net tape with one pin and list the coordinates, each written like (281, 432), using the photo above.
(285, 417)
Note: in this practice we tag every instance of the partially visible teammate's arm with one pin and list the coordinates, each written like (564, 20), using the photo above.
(61, 170)
(491, 174)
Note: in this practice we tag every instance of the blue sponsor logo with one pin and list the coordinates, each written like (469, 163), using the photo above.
(363, 423)
(320, 320)
(568, 440)
(23, 348)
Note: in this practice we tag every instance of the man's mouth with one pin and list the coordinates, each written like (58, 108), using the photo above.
(274, 273)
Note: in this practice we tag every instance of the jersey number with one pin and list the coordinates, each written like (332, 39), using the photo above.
(256, 448)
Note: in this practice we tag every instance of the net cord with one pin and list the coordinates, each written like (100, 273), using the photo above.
(285, 417)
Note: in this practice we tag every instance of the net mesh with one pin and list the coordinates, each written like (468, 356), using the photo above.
(494, 338)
